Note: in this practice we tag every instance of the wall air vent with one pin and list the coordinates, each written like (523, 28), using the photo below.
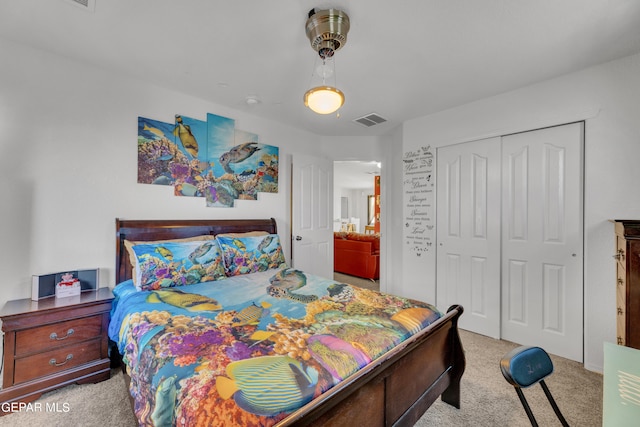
(88, 5)
(370, 120)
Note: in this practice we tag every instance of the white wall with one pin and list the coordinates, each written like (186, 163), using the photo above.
(68, 165)
(358, 201)
(392, 273)
(607, 97)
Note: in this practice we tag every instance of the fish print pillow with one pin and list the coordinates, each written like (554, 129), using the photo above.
(129, 244)
(171, 264)
(244, 255)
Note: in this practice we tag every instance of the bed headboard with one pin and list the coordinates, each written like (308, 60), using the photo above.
(146, 230)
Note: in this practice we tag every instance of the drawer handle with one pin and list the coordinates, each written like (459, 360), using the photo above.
(620, 342)
(620, 281)
(620, 312)
(54, 336)
(53, 362)
(619, 255)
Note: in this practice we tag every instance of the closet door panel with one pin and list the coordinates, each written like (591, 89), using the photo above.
(542, 208)
(468, 230)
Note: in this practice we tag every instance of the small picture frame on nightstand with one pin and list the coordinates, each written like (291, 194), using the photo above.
(67, 284)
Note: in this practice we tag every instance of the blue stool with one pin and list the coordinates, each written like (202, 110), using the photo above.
(525, 366)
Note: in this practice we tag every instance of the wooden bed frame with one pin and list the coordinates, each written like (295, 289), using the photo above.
(394, 390)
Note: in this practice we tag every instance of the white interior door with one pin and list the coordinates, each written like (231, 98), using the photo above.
(312, 215)
(468, 233)
(542, 267)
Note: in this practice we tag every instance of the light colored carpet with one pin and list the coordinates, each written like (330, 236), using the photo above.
(89, 405)
(373, 285)
(487, 399)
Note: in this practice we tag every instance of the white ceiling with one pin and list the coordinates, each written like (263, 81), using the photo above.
(354, 174)
(403, 59)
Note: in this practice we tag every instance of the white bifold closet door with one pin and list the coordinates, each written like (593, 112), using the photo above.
(468, 233)
(542, 256)
(515, 260)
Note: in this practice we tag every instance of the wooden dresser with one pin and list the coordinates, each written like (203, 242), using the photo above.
(54, 342)
(628, 282)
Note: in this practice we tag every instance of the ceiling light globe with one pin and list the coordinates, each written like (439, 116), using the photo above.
(324, 99)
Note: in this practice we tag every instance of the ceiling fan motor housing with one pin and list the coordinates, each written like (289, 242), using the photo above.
(327, 30)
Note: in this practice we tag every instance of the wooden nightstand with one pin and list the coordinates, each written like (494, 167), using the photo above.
(54, 342)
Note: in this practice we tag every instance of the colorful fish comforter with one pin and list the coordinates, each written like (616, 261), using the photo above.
(250, 349)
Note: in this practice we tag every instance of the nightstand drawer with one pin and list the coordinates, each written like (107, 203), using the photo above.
(57, 360)
(57, 334)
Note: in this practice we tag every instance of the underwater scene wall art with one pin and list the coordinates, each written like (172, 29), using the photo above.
(210, 159)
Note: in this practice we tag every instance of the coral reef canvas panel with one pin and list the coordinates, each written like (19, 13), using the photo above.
(191, 138)
(156, 151)
(210, 159)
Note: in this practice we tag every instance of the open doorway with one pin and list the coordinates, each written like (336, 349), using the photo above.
(356, 225)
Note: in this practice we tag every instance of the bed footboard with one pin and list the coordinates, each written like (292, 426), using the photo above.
(397, 390)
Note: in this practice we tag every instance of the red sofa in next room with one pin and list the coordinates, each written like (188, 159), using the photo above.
(357, 254)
